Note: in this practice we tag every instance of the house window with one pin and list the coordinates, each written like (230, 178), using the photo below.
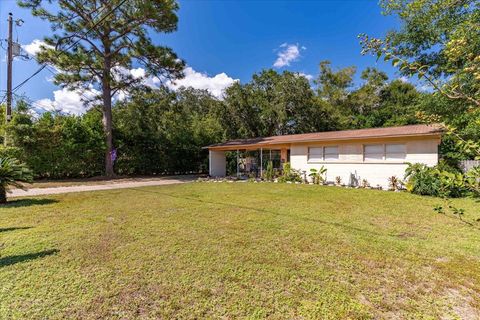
(315, 154)
(323, 153)
(373, 152)
(395, 151)
(377, 152)
(330, 153)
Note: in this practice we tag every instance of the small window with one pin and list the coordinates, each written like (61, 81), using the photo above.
(395, 151)
(377, 152)
(373, 152)
(315, 154)
(331, 153)
(323, 153)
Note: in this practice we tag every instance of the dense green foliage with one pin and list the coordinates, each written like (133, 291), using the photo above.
(289, 174)
(94, 43)
(439, 41)
(441, 181)
(57, 146)
(158, 131)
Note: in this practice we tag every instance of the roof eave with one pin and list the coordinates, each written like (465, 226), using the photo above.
(240, 146)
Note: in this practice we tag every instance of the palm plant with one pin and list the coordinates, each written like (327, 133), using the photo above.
(318, 175)
(12, 174)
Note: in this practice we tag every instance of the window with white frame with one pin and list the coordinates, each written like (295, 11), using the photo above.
(315, 154)
(329, 153)
(373, 152)
(378, 152)
(395, 151)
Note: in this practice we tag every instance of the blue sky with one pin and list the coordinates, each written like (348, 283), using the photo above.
(226, 40)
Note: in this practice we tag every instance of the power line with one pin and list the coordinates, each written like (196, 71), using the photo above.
(74, 43)
(30, 77)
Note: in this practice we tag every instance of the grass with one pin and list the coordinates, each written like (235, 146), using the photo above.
(238, 250)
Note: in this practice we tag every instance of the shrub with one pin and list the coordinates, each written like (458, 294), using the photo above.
(394, 183)
(421, 180)
(433, 181)
(472, 178)
(365, 183)
(289, 174)
(338, 180)
(12, 173)
(269, 173)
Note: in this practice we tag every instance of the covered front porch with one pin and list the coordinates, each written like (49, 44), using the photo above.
(246, 162)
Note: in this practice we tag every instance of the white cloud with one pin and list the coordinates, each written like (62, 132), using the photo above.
(137, 73)
(34, 47)
(215, 85)
(306, 75)
(72, 102)
(67, 101)
(404, 79)
(287, 53)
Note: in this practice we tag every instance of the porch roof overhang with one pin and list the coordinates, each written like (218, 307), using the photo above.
(279, 142)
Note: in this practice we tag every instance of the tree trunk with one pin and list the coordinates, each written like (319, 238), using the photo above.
(3, 195)
(107, 117)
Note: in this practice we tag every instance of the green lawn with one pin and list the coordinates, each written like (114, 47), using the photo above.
(238, 250)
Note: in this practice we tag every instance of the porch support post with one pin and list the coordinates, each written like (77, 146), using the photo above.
(284, 155)
(238, 165)
(261, 162)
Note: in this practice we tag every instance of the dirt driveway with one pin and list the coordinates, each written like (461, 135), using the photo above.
(104, 185)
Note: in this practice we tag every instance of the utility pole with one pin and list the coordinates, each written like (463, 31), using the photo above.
(8, 110)
(9, 68)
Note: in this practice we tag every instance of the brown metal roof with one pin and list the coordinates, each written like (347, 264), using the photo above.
(388, 132)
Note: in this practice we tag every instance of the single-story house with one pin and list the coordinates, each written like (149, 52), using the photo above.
(353, 155)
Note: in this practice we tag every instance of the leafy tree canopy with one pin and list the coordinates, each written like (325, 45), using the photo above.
(439, 41)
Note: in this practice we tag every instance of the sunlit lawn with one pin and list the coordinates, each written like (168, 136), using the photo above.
(237, 250)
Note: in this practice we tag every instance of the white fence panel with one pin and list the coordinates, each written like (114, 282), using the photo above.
(466, 165)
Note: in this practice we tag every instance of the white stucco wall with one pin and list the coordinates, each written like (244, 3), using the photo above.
(351, 164)
(217, 163)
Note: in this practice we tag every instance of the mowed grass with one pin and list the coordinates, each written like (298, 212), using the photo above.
(238, 250)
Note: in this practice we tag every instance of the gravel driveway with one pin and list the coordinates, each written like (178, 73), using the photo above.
(109, 186)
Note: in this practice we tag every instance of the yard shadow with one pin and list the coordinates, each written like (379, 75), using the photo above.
(27, 203)
(13, 229)
(11, 260)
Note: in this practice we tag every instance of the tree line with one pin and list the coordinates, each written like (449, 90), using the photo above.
(157, 131)
(160, 131)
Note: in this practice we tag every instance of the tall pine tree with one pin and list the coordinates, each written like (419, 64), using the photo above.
(95, 44)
